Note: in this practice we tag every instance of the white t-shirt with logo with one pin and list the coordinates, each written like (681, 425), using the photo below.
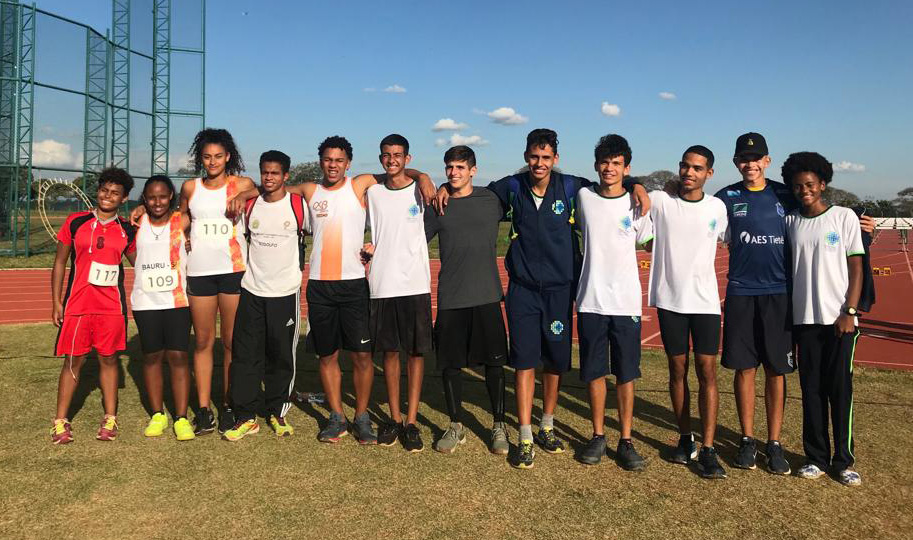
(400, 264)
(819, 248)
(273, 267)
(609, 277)
(682, 274)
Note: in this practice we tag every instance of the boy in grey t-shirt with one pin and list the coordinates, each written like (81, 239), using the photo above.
(469, 329)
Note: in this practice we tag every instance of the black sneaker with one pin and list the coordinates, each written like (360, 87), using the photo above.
(776, 461)
(525, 456)
(685, 451)
(549, 442)
(388, 432)
(204, 422)
(593, 451)
(226, 419)
(747, 456)
(708, 464)
(412, 439)
(628, 458)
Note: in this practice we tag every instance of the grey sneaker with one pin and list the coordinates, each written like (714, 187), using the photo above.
(363, 430)
(336, 429)
(500, 444)
(453, 437)
(628, 458)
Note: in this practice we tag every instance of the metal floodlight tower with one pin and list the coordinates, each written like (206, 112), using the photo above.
(107, 106)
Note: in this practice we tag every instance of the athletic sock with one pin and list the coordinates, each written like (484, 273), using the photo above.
(548, 421)
(526, 433)
(494, 382)
(452, 378)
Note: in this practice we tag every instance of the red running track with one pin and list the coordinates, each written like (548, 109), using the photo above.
(887, 339)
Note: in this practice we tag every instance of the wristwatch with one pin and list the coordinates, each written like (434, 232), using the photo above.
(851, 311)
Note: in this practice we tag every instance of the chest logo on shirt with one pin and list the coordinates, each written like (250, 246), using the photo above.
(780, 210)
(832, 238)
(740, 209)
(733, 193)
(320, 208)
(414, 210)
(558, 207)
(712, 225)
(285, 224)
(100, 242)
(255, 224)
(747, 238)
(557, 327)
(625, 224)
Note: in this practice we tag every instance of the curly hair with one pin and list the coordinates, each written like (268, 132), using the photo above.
(542, 137)
(114, 175)
(335, 142)
(612, 145)
(224, 139)
(812, 162)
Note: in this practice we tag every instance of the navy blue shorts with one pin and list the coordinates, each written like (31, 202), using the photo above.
(596, 333)
(539, 323)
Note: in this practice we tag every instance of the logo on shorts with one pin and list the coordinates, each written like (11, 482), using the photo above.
(789, 360)
(558, 207)
(832, 238)
(635, 318)
(626, 223)
(780, 210)
(255, 224)
(740, 209)
(414, 210)
(557, 327)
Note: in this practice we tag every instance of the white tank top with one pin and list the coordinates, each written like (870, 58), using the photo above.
(400, 264)
(160, 272)
(273, 267)
(338, 224)
(217, 246)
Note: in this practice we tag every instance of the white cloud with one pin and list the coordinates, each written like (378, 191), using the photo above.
(609, 109)
(456, 138)
(507, 116)
(51, 153)
(395, 89)
(369, 89)
(848, 166)
(448, 124)
(668, 96)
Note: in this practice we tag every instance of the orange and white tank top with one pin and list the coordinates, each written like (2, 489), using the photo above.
(217, 246)
(160, 272)
(337, 217)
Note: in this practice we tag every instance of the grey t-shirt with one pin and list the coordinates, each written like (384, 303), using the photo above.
(469, 249)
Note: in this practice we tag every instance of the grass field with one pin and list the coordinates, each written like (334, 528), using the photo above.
(264, 487)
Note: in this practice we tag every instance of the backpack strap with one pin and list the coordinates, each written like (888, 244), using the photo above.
(513, 206)
(248, 210)
(571, 197)
(297, 202)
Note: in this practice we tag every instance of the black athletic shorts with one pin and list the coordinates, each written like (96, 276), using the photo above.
(704, 329)
(596, 333)
(402, 323)
(214, 284)
(339, 315)
(470, 336)
(758, 330)
(163, 329)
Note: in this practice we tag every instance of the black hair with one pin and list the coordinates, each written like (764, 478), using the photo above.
(335, 142)
(700, 150)
(114, 175)
(224, 139)
(162, 179)
(395, 139)
(612, 145)
(460, 153)
(275, 156)
(541, 137)
(812, 162)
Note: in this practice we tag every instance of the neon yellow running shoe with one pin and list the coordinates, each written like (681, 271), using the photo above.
(242, 429)
(281, 427)
(183, 430)
(157, 425)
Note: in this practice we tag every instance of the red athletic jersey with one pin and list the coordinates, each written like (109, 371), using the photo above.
(104, 244)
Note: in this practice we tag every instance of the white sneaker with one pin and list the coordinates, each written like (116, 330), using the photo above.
(810, 471)
(849, 477)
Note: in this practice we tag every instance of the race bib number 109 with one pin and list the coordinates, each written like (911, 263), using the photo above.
(103, 275)
(213, 229)
(160, 280)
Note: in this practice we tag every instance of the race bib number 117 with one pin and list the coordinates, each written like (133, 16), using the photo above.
(103, 275)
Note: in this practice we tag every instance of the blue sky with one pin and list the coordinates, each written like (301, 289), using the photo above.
(830, 76)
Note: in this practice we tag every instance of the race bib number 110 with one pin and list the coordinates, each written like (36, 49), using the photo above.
(213, 229)
(103, 275)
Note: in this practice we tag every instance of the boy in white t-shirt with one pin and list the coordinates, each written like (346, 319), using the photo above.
(683, 288)
(609, 296)
(826, 273)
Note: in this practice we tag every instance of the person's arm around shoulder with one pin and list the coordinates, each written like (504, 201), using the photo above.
(64, 247)
(425, 185)
(639, 192)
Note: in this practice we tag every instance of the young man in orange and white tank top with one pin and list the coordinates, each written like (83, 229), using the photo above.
(337, 290)
(215, 264)
(160, 305)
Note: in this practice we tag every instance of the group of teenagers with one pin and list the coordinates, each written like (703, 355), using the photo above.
(222, 244)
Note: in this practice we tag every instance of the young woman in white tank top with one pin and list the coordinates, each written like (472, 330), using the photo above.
(215, 263)
(160, 305)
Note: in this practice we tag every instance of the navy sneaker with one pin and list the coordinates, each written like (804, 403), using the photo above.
(685, 451)
(549, 442)
(593, 451)
(747, 456)
(628, 458)
(708, 464)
